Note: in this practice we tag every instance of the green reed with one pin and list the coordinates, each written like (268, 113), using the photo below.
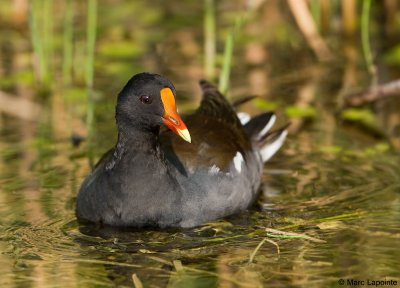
(209, 39)
(240, 20)
(227, 63)
(366, 44)
(41, 37)
(48, 37)
(89, 69)
(68, 43)
(228, 55)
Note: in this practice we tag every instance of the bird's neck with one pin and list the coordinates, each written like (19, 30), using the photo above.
(138, 139)
(134, 141)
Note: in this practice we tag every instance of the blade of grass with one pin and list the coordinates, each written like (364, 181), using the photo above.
(91, 41)
(68, 38)
(366, 44)
(243, 17)
(178, 265)
(209, 39)
(226, 66)
(48, 40)
(283, 234)
(35, 23)
(332, 218)
(253, 254)
(278, 250)
(136, 281)
(104, 262)
(228, 55)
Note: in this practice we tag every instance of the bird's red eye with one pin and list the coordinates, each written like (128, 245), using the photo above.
(145, 99)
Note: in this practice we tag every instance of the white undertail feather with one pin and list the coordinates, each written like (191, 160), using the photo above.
(267, 127)
(271, 148)
(244, 117)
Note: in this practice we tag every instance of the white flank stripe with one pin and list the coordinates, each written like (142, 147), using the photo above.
(237, 161)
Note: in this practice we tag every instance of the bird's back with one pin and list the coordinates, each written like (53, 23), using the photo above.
(220, 170)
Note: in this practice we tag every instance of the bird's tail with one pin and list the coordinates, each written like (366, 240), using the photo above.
(259, 130)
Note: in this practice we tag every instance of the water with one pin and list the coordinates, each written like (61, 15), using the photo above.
(349, 199)
(336, 180)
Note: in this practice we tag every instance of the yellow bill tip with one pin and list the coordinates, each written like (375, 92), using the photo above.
(184, 133)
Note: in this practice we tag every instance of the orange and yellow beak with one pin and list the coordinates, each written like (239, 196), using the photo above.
(171, 117)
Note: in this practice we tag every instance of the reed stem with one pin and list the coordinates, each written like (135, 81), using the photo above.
(68, 42)
(39, 60)
(209, 39)
(349, 16)
(366, 44)
(228, 55)
(90, 42)
(48, 41)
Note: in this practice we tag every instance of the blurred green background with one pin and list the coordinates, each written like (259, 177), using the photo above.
(63, 62)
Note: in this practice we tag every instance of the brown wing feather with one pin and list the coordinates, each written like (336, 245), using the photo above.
(216, 132)
(215, 105)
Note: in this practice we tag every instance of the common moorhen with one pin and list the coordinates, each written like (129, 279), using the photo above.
(154, 178)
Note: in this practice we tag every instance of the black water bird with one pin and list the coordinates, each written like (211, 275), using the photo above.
(152, 178)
